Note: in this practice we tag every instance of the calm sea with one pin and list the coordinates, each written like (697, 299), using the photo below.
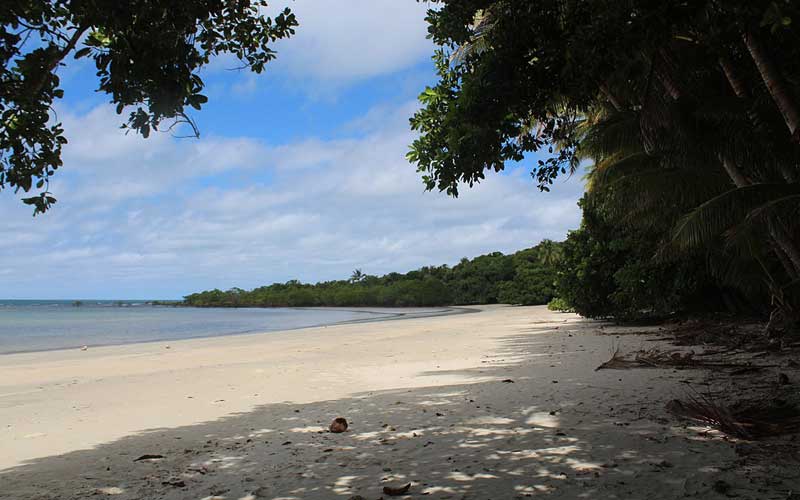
(36, 325)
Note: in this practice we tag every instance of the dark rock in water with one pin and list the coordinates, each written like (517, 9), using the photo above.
(338, 425)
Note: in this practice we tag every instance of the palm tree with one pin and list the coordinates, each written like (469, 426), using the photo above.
(357, 276)
(735, 190)
(550, 252)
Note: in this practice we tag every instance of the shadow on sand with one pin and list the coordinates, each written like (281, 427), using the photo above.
(559, 430)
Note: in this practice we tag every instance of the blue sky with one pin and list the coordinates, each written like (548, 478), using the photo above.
(300, 173)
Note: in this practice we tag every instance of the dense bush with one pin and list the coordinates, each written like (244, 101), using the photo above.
(558, 304)
(526, 277)
(613, 269)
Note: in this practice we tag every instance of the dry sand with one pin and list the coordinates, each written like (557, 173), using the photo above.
(430, 401)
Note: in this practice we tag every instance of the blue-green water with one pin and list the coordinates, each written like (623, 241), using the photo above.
(36, 325)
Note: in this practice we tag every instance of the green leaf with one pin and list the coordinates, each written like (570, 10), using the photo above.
(82, 52)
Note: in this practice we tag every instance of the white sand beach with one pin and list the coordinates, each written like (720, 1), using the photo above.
(501, 403)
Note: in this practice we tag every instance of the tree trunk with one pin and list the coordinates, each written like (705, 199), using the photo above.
(739, 87)
(738, 178)
(777, 233)
(740, 90)
(611, 97)
(775, 84)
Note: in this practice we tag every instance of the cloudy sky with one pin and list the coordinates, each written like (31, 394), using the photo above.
(300, 173)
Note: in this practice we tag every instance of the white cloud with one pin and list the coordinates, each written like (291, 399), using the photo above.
(336, 44)
(164, 217)
(355, 40)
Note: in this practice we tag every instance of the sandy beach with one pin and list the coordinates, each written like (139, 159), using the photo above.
(501, 403)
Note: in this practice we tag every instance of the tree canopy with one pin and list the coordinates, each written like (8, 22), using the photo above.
(526, 277)
(147, 55)
(686, 112)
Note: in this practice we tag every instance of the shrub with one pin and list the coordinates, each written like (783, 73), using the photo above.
(558, 304)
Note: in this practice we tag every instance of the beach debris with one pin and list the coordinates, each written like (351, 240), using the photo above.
(356, 497)
(177, 483)
(84, 348)
(396, 492)
(148, 456)
(744, 420)
(655, 358)
(507, 381)
(338, 425)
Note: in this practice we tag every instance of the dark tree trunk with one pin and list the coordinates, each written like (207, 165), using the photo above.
(775, 84)
(738, 178)
(615, 103)
(740, 90)
(737, 84)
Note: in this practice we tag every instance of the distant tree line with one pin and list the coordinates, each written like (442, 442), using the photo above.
(602, 270)
(526, 277)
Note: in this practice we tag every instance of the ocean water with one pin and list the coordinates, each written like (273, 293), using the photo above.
(36, 325)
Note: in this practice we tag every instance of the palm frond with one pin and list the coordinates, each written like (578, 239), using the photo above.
(612, 134)
(712, 219)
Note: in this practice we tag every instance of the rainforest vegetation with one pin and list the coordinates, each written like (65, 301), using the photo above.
(686, 114)
(525, 277)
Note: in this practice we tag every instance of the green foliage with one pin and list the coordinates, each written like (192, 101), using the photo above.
(147, 53)
(534, 275)
(611, 269)
(559, 305)
(687, 111)
(526, 277)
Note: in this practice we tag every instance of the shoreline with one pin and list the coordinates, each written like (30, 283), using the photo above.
(503, 403)
(387, 316)
(54, 383)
